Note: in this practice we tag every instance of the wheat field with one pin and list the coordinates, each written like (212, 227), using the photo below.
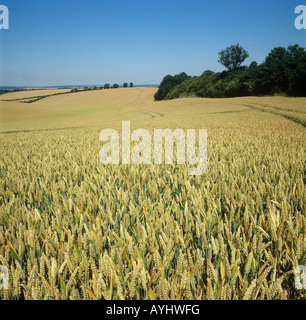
(73, 228)
(10, 96)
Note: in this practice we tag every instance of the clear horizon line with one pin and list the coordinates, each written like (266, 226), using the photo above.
(71, 86)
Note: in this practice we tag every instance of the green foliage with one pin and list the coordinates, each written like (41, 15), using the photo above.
(286, 70)
(283, 73)
(115, 85)
(131, 84)
(232, 57)
(125, 85)
(276, 70)
(107, 86)
(2, 91)
(168, 83)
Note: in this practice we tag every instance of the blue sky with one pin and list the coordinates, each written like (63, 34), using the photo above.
(75, 42)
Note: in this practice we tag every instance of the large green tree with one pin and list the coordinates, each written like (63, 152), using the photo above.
(168, 83)
(297, 74)
(283, 72)
(232, 57)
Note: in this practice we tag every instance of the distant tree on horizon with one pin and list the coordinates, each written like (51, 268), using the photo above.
(125, 85)
(116, 85)
(131, 84)
(107, 86)
(232, 57)
(283, 72)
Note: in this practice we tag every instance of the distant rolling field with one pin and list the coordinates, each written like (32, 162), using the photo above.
(101, 107)
(30, 93)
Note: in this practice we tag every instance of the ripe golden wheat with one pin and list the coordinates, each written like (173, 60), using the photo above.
(72, 228)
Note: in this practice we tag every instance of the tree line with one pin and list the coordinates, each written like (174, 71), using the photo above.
(106, 86)
(2, 91)
(116, 85)
(283, 72)
(77, 89)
